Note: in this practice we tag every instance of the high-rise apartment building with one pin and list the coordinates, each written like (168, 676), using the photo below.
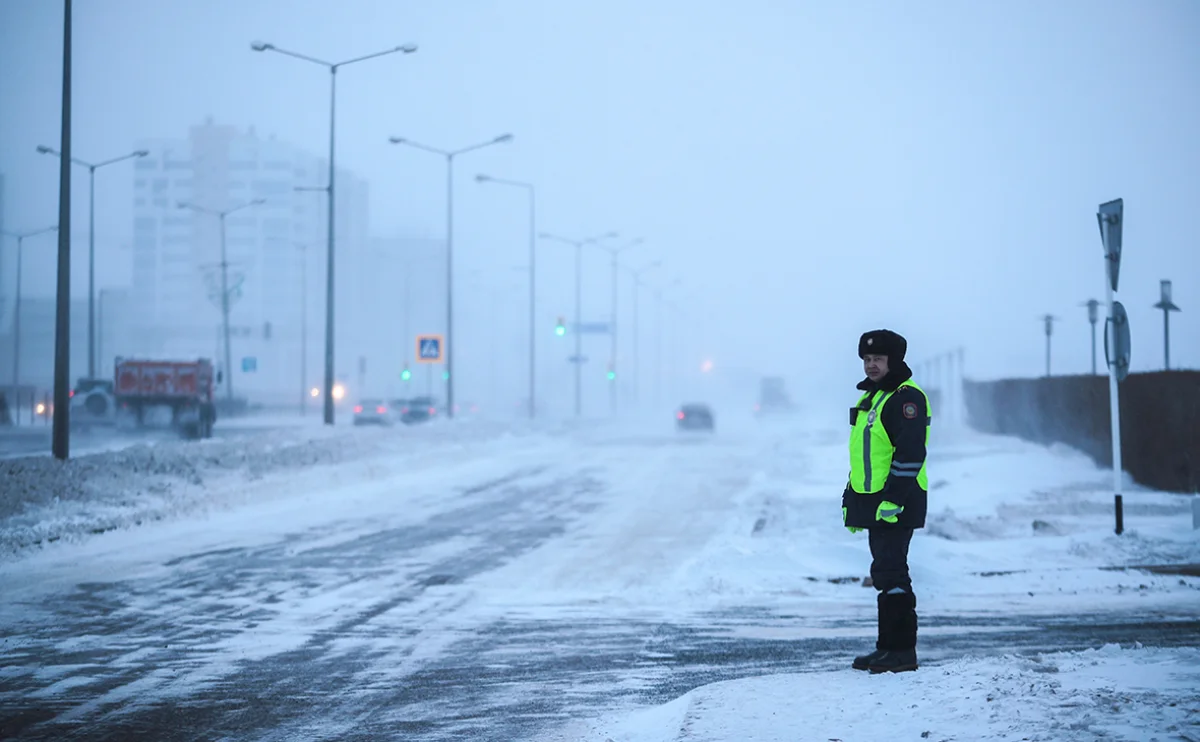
(275, 254)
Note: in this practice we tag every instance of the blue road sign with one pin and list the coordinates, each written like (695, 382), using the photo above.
(591, 328)
(429, 348)
(249, 364)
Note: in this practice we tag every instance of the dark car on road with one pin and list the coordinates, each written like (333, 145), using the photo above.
(694, 417)
(419, 409)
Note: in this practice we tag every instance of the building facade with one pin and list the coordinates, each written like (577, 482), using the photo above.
(275, 259)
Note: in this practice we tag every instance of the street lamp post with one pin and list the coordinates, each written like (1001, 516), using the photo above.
(224, 282)
(447, 351)
(578, 360)
(532, 278)
(1167, 306)
(637, 285)
(92, 167)
(1049, 320)
(1093, 307)
(20, 237)
(612, 362)
(259, 46)
(303, 328)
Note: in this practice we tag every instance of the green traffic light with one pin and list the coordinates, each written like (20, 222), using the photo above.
(560, 331)
(405, 375)
(612, 375)
(445, 376)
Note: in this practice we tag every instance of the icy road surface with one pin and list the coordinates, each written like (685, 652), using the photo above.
(506, 587)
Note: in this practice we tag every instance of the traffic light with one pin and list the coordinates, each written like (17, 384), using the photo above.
(445, 376)
(612, 373)
(561, 328)
(405, 375)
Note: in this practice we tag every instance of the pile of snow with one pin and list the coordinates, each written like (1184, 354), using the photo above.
(43, 500)
(1107, 693)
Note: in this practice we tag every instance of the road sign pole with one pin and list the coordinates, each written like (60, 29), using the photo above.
(1111, 216)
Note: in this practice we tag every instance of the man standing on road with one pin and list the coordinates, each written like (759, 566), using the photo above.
(887, 491)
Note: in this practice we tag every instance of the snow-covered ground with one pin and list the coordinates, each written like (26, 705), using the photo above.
(655, 526)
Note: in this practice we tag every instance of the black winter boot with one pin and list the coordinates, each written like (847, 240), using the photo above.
(881, 643)
(898, 617)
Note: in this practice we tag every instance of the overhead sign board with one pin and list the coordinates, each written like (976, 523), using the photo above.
(429, 348)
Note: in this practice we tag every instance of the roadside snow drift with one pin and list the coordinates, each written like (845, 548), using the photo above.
(1135, 694)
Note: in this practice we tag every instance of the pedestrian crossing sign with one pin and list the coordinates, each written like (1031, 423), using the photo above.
(429, 348)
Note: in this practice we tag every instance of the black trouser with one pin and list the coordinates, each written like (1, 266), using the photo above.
(889, 574)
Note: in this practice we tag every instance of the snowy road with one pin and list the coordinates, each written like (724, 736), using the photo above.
(494, 590)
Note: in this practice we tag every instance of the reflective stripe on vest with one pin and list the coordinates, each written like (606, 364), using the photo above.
(871, 448)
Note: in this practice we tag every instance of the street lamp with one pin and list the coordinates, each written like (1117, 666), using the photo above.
(259, 46)
(20, 237)
(1167, 306)
(529, 188)
(224, 281)
(612, 363)
(92, 168)
(1049, 320)
(578, 358)
(637, 285)
(1093, 307)
(450, 155)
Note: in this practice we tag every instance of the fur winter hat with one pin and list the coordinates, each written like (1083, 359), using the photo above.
(883, 343)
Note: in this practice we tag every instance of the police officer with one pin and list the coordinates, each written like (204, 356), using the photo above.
(887, 491)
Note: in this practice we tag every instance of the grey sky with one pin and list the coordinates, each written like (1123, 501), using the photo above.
(808, 170)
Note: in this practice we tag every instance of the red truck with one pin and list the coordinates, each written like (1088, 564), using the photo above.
(186, 387)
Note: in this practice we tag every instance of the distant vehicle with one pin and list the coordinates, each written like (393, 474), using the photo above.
(183, 387)
(373, 412)
(694, 417)
(419, 409)
(93, 402)
(772, 398)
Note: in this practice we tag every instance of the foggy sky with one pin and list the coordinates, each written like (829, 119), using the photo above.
(805, 170)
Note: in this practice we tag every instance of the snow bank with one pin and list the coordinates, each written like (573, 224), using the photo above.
(43, 500)
(1110, 693)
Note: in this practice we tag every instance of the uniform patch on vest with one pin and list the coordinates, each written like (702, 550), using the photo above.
(910, 410)
(871, 417)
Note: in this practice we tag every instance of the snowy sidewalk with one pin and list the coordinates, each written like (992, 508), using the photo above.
(1107, 693)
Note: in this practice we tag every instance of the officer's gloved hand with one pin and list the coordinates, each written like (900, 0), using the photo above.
(851, 529)
(888, 512)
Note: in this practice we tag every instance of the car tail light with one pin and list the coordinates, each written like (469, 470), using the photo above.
(71, 393)
(357, 408)
(432, 411)
(679, 415)
(381, 410)
(404, 410)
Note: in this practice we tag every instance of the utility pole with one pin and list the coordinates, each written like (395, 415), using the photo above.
(1167, 306)
(61, 432)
